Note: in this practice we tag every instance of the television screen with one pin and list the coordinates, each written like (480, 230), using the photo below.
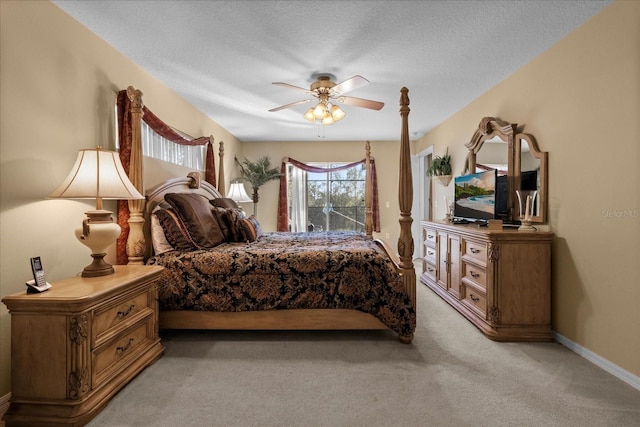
(475, 196)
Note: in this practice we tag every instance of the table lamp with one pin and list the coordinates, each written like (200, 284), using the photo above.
(238, 193)
(97, 174)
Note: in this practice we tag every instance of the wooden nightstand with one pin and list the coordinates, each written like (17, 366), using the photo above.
(74, 346)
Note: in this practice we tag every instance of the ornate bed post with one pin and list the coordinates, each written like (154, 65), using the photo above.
(368, 196)
(222, 186)
(405, 196)
(135, 241)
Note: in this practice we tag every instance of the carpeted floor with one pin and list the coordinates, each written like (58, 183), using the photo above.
(451, 375)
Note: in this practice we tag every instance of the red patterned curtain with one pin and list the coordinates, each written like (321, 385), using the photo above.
(283, 203)
(125, 140)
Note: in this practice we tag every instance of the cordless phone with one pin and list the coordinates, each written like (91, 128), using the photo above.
(38, 284)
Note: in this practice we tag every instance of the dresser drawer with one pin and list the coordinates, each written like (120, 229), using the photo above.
(430, 255)
(476, 300)
(475, 251)
(475, 274)
(429, 237)
(429, 271)
(117, 353)
(108, 317)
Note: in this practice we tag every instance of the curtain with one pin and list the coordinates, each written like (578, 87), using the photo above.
(283, 211)
(125, 137)
(299, 200)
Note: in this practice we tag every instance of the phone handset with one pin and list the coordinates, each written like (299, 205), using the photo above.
(38, 284)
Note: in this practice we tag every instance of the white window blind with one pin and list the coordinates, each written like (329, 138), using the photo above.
(157, 147)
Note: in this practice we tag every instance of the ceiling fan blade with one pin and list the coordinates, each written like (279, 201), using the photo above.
(292, 87)
(348, 85)
(282, 107)
(359, 102)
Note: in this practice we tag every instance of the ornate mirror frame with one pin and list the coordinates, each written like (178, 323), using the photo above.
(491, 128)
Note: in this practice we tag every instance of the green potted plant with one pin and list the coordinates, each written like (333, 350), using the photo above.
(257, 174)
(440, 168)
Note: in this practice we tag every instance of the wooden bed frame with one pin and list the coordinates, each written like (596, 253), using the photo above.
(298, 319)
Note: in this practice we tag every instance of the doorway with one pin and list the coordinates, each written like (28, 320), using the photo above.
(421, 209)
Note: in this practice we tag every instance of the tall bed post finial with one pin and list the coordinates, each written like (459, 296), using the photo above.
(222, 186)
(405, 198)
(135, 240)
(368, 196)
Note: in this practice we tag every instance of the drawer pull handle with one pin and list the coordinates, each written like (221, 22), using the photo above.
(430, 252)
(429, 236)
(475, 251)
(474, 274)
(126, 313)
(430, 270)
(122, 349)
(473, 298)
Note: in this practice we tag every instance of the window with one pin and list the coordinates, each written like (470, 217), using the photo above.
(157, 147)
(326, 200)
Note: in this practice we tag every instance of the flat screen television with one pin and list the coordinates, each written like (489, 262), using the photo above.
(475, 196)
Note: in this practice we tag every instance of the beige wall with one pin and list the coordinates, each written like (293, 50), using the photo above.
(58, 83)
(581, 100)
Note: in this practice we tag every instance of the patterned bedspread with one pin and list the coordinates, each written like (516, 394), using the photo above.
(288, 270)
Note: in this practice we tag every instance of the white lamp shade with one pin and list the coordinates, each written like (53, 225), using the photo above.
(238, 193)
(97, 174)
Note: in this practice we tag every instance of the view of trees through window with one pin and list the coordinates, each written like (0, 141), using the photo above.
(335, 200)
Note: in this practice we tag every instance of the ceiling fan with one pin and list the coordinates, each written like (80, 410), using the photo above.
(329, 94)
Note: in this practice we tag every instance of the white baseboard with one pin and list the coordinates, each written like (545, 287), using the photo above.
(613, 369)
(4, 405)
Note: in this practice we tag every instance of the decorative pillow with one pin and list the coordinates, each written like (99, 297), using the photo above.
(220, 215)
(195, 213)
(234, 219)
(224, 202)
(251, 229)
(158, 239)
(174, 230)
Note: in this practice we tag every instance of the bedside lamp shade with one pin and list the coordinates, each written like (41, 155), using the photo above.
(97, 174)
(238, 193)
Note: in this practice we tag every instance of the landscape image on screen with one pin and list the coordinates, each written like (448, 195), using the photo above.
(475, 195)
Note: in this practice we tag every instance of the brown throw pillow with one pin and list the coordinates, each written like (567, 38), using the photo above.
(251, 229)
(220, 215)
(174, 230)
(234, 218)
(195, 213)
(224, 202)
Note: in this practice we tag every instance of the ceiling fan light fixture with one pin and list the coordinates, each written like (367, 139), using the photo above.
(337, 113)
(327, 120)
(310, 116)
(320, 111)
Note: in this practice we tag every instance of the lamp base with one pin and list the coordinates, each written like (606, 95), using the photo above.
(98, 267)
(98, 232)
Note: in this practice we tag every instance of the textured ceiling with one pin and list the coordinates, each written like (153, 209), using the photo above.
(223, 56)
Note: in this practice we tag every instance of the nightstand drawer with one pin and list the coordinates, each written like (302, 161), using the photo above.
(110, 316)
(115, 354)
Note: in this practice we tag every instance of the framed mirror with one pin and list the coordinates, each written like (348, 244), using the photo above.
(520, 165)
(531, 166)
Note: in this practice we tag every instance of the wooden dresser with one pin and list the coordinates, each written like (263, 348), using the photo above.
(74, 346)
(500, 280)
